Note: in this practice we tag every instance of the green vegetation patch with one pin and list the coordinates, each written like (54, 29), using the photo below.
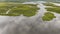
(50, 4)
(27, 10)
(56, 9)
(18, 9)
(48, 16)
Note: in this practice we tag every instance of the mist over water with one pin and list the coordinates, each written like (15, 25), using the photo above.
(30, 25)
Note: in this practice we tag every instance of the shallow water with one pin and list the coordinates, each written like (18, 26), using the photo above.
(30, 25)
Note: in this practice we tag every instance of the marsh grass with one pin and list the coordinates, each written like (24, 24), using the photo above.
(18, 9)
(53, 8)
(56, 9)
(48, 16)
(50, 4)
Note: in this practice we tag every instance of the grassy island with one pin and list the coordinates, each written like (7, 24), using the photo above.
(28, 10)
(48, 16)
(50, 4)
(55, 9)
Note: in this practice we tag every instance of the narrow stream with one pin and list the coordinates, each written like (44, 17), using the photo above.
(8, 11)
